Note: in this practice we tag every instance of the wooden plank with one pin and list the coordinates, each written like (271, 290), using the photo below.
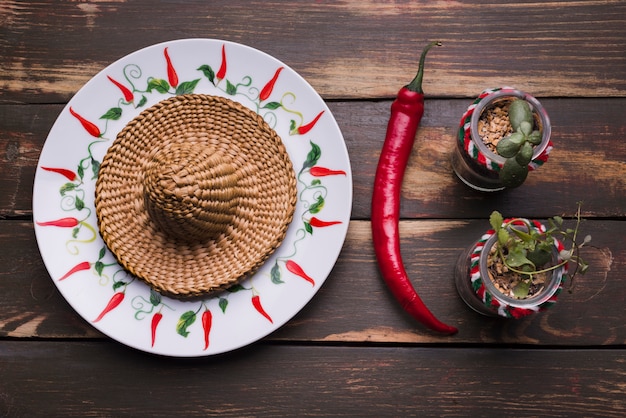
(588, 162)
(351, 49)
(104, 379)
(354, 305)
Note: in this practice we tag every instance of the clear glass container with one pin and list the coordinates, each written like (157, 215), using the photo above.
(479, 292)
(473, 162)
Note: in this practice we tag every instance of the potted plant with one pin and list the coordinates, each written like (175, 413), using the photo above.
(504, 134)
(518, 267)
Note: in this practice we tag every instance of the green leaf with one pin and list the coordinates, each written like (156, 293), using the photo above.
(99, 266)
(272, 105)
(75, 232)
(521, 290)
(208, 72)
(223, 303)
(142, 101)
(79, 204)
(187, 87)
(507, 147)
(525, 128)
(275, 274)
(512, 174)
(185, 322)
(525, 154)
(231, 88)
(316, 182)
(317, 206)
(155, 297)
(495, 220)
(113, 113)
(524, 236)
(80, 171)
(517, 257)
(95, 167)
(160, 85)
(117, 285)
(503, 237)
(519, 111)
(102, 253)
(292, 125)
(534, 138)
(312, 157)
(235, 288)
(308, 228)
(539, 257)
(67, 187)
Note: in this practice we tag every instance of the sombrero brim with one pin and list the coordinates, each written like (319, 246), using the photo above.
(180, 267)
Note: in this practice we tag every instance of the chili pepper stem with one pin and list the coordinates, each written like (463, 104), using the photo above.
(416, 84)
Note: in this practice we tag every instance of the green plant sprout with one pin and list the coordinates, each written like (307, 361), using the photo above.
(526, 251)
(517, 148)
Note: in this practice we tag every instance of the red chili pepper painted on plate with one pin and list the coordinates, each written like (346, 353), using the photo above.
(318, 223)
(90, 127)
(221, 73)
(156, 318)
(295, 268)
(318, 171)
(256, 302)
(62, 223)
(406, 113)
(128, 95)
(207, 321)
(301, 130)
(85, 265)
(69, 174)
(172, 77)
(114, 302)
(267, 90)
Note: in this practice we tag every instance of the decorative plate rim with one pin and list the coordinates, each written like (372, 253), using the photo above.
(125, 308)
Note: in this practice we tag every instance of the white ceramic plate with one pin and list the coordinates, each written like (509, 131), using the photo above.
(87, 274)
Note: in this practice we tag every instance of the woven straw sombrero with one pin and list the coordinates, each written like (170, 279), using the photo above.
(195, 194)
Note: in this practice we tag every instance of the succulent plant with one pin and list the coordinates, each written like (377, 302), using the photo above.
(527, 251)
(517, 148)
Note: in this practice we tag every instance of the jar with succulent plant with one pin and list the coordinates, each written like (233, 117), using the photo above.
(503, 135)
(518, 267)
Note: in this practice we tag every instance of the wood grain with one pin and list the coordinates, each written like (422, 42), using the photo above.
(351, 49)
(588, 162)
(354, 305)
(105, 379)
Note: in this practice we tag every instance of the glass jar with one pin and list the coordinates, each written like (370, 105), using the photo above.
(472, 160)
(480, 293)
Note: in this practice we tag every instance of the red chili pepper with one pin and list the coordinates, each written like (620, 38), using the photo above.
(317, 223)
(85, 265)
(156, 318)
(89, 126)
(297, 270)
(323, 171)
(207, 320)
(69, 174)
(406, 114)
(113, 303)
(62, 223)
(256, 302)
(301, 130)
(128, 95)
(221, 73)
(267, 90)
(172, 77)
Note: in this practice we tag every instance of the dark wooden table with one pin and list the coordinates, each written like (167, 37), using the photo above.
(352, 350)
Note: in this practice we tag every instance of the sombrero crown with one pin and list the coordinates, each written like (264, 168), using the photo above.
(195, 194)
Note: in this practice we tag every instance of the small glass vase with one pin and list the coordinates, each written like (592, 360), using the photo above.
(472, 160)
(480, 293)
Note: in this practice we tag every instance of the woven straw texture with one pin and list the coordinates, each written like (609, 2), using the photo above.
(195, 194)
